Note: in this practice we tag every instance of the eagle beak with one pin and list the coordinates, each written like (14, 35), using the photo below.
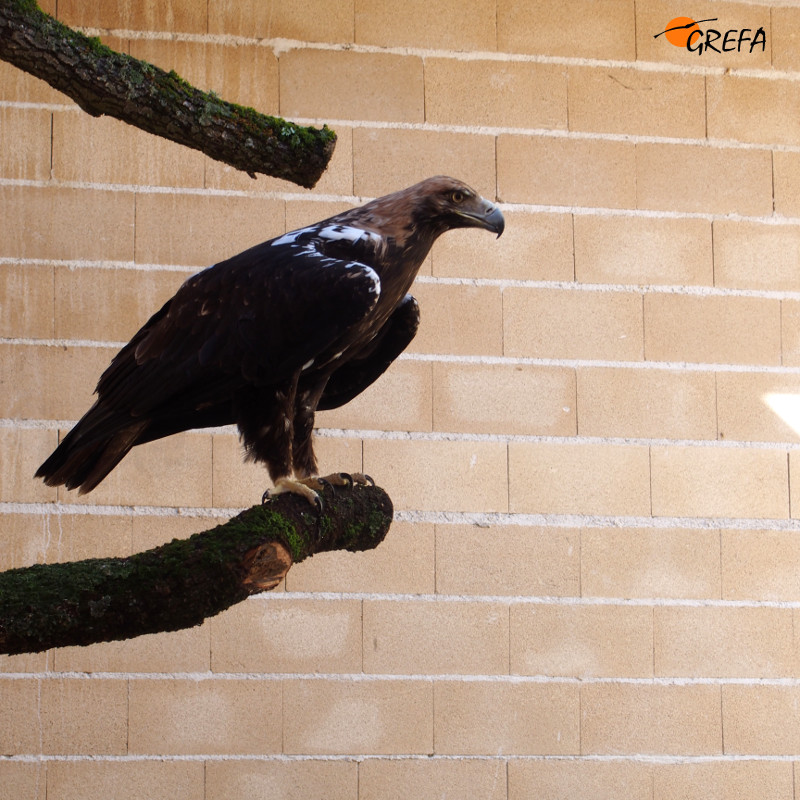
(494, 219)
(488, 216)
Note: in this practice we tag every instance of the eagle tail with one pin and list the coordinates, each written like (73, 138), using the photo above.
(90, 451)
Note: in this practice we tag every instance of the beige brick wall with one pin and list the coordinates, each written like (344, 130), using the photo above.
(592, 586)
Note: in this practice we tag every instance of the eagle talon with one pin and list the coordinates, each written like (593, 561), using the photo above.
(346, 479)
(336, 479)
(319, 502)
(305, 487)
(266, 497)
(360, 479)
(318, 485)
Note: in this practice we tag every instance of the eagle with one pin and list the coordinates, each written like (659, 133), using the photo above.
(301, 323)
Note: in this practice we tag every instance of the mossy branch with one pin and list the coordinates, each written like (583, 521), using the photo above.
(103, 81)
(179, 584)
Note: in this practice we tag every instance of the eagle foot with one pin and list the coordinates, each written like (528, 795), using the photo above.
(309, 488)
(348, 479)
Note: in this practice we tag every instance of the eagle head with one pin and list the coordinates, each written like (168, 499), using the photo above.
(450, 203)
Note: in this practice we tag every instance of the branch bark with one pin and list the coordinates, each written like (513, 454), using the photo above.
(102, 81)
(179, 584)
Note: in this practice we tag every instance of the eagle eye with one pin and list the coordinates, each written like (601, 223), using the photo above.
(457, 196)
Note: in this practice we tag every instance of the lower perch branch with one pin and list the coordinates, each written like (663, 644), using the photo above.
(179, 584)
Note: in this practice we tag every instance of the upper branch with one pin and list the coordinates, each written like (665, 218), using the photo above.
(181, 583)
(102, 81)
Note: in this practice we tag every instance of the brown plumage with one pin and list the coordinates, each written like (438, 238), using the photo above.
(302, 322)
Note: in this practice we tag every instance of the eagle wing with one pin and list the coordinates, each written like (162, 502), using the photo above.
(256, 318)
(365, 368)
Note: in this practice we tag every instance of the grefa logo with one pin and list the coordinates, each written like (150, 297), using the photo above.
(686, 32)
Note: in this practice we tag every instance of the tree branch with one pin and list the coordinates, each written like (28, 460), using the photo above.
(179, 584)
(102, 81)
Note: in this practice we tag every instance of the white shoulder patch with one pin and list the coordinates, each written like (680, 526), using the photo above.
(348, 233)
(335, 233)
(292, 236)
(332, 233)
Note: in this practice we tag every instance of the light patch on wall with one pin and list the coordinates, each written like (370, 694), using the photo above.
(786, 406)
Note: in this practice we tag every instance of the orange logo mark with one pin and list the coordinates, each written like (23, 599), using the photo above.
(680, 29)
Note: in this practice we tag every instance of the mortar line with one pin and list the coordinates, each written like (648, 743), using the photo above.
(636, 758)
(493, 130)
(482, 519)
(437, 280)
(421, 678)
(564, 601)
(772, 219)
(281, 45)
(441, 437)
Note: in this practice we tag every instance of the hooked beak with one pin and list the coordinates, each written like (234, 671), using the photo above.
(488, 217)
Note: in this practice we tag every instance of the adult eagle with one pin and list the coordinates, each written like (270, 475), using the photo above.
(300, 323)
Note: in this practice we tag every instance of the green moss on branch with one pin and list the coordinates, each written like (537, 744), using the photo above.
(180, 584)
(103, 81)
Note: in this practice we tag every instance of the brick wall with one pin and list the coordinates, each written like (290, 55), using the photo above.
(593, 583)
